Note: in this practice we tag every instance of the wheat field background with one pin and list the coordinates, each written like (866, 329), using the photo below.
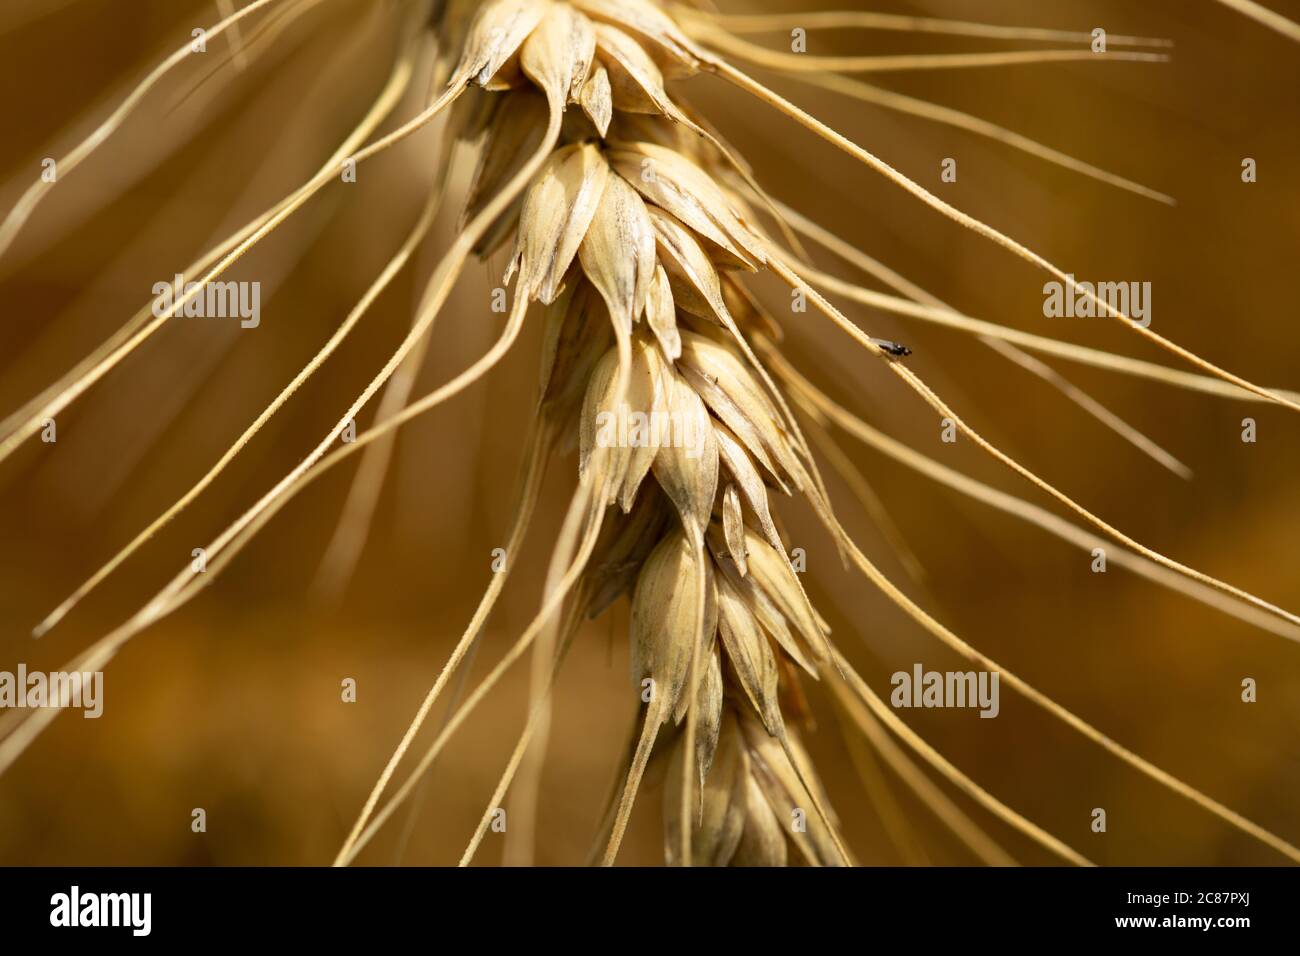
(233, 704)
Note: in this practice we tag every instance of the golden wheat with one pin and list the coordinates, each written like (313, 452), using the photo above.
(635, 227)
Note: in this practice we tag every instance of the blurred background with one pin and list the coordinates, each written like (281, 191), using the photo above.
(233, 704)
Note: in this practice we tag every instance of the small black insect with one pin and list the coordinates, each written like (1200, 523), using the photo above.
(893, 348)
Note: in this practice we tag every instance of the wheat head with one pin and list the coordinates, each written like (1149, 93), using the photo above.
(637, 231)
